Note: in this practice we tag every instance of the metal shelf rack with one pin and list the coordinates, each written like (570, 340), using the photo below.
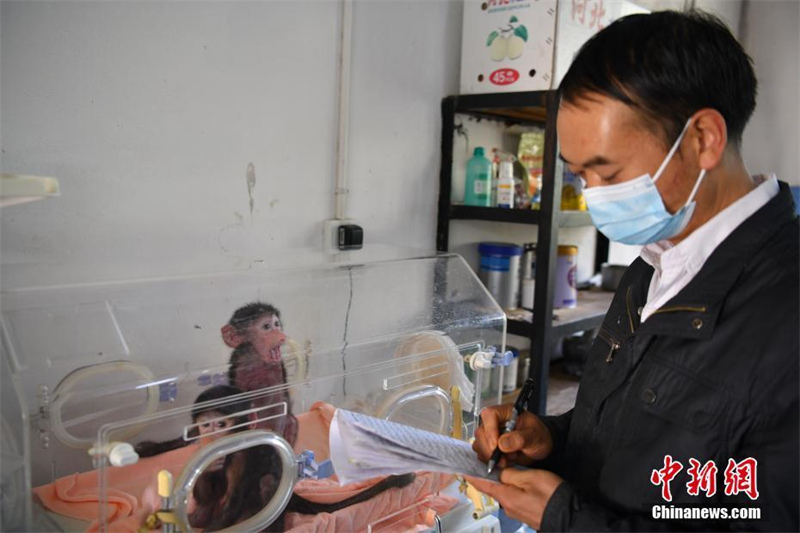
(547, 327)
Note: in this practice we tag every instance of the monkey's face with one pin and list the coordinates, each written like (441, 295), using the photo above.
(212, 425)
(266, 336)
(212, 428)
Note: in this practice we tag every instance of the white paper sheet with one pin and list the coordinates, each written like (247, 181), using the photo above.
(364, 447)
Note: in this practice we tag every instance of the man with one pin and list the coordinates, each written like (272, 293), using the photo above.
(690, 394)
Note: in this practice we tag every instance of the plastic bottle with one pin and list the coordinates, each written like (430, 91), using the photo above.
(505, 185)
(479, 180)
(495, 170)
(510, 374)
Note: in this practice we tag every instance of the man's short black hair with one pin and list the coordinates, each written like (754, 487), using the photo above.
(667, 65)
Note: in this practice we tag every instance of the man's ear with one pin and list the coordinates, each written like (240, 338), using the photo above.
(711, 134)
(253, 423)
(230, 337)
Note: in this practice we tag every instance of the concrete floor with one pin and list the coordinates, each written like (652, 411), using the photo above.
(561, 391)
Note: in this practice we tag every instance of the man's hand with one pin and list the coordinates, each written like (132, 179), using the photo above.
(530, 441)
(523, 494)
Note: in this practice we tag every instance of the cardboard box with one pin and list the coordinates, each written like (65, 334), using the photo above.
(507, 45)
(528, 45)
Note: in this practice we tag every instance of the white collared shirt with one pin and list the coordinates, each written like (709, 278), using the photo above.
(676, 265)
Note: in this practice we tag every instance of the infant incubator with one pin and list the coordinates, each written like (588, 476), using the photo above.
(205, 403)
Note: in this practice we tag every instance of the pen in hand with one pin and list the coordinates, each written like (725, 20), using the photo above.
(520, 405)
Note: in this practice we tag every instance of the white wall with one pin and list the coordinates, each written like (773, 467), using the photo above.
(150, 114)
(771, 141)
(728, 10)
(768, 30)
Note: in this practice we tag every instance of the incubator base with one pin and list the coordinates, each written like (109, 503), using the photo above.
(165, 369)
(461, 519)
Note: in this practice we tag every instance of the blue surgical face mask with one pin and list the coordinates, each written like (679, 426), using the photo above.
(632, 212)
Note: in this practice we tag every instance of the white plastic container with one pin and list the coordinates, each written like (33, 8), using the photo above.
(499, 271)
(505, 185)
(510, 375)
(566, 292)
(528, 291)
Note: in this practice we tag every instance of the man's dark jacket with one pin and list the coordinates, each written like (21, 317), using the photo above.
(712, 375)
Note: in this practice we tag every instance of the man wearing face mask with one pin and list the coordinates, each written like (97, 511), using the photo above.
(696, 363)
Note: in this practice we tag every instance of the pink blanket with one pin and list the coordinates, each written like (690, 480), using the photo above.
(78, 496)
(315, 426)
(359, 517)
(132, 496)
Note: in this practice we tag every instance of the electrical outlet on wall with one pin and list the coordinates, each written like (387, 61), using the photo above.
(341, 236)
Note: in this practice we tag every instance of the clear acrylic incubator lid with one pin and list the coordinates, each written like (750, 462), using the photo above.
(108, 386)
